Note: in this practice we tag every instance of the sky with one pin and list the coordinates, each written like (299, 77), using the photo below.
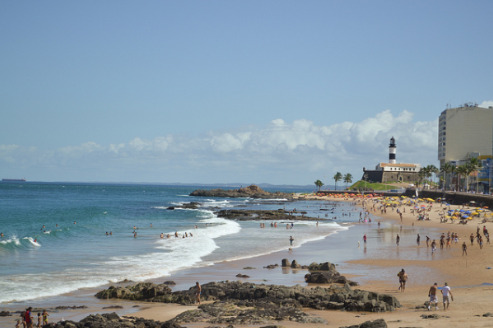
(281, 92)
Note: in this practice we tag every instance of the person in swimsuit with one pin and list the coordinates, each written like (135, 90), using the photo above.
(45, 317)
(291, 240)
(433, 296)
(198, 291)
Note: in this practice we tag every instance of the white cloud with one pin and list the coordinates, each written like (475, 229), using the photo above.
(267, 153)
(486, 103)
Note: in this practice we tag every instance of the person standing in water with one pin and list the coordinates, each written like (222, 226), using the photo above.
(291, 240)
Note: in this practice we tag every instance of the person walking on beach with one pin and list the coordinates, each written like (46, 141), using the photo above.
(427, 241)
(291, 240)
(402, 280)
(471, 237)
(397, 240)
(464, 249)
(198, 291)
(39, 320)
(433, 246)
(446, 299)
(364, 239)
(433, 296)
(418, 239)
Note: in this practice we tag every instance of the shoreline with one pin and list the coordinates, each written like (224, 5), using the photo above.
(314, 252)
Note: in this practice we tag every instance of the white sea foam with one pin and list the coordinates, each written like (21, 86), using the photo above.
(12, 240)
(169, 255)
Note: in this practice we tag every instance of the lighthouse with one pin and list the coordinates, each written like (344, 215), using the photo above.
(392, 151)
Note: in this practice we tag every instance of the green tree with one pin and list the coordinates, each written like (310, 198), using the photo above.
(462, 171)
(445, 169)
(348, 178)
(336, 178)
(474, 165)
(319, 184)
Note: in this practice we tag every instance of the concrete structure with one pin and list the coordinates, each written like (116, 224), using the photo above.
(464, 130)
(392, 171)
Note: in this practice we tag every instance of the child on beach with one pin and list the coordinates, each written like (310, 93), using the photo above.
(39, 320)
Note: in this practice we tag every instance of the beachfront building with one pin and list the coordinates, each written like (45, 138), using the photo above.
(466, 132)
(392, 171)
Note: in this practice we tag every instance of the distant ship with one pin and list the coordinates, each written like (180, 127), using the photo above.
(14, 180)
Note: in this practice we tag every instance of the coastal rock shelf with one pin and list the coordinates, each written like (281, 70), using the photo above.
(112, 320)
(249, 294)
(252, 191)
(279, 215)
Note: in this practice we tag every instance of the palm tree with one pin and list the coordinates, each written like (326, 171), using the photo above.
(433, 170)
(348, 178)
(337, 177)
(474, 164)
(421, 176)
(319, 184)
(461, 171)
(454, 171)
(445, 169)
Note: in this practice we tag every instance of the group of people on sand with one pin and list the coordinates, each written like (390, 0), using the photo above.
(432, 293)
(28, 320)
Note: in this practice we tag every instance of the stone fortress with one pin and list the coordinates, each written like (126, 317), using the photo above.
(392, 171)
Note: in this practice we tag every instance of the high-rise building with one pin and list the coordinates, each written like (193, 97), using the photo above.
(463, 131)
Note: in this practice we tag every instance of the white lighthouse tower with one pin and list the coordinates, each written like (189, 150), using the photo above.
(392, 151)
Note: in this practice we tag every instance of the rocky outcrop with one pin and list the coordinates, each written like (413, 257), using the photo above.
(112, 320)
(326, 266)
(328, 277)
(280, 216)
(148, 292)
(191, 205)
(335, 297)
(252, 191)
(5, 314)
(379, 323)
(244, 313)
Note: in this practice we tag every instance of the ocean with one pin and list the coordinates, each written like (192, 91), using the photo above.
(55, 238)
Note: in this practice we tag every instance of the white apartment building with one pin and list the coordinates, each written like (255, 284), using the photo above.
(464, 130)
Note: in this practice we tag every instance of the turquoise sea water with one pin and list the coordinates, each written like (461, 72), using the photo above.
(38, 262)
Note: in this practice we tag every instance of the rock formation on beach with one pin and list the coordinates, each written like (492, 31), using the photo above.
(252, 191)
(242, 293)
(280, 215)
(320, 273)
(112, 320)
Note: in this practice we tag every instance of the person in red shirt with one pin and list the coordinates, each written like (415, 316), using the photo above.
(27, 318)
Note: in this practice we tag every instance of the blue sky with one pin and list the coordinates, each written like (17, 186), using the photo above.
(230, 91)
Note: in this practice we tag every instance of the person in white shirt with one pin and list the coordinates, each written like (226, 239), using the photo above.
(446, 292)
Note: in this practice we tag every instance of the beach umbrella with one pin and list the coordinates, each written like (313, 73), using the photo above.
(468, 212)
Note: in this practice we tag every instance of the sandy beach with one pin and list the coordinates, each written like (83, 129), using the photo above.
(375, 267)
